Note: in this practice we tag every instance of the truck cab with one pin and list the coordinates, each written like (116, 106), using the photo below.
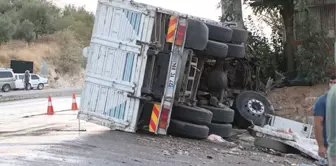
(166, 72)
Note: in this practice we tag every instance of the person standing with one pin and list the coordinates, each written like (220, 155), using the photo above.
(26, 80)
(320, 120)
(331, 126)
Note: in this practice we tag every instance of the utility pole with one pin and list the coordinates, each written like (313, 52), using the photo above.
(232, 11)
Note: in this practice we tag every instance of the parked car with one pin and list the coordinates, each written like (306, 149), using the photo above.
(7, 79)
(36, 81)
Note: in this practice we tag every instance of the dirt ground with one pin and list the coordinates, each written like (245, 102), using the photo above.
(296, 102)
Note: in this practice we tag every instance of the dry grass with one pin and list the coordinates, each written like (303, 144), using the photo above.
(48, 48)
(19, 50)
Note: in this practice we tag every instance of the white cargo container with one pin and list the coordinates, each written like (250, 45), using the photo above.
(116, 64)
(117, 57)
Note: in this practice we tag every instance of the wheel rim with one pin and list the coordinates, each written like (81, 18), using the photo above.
(6, 88)
(255, 107)
(40, 86)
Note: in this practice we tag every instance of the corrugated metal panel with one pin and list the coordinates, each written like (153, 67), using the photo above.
(116, 64)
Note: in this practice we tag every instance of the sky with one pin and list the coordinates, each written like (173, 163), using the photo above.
(205, 10)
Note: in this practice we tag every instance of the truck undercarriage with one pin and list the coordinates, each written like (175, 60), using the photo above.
(169, 72)
(210, 79)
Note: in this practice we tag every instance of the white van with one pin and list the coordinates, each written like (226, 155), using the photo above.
(7, 80)
(36, 81)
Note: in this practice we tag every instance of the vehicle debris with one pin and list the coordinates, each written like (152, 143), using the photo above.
(307, 146)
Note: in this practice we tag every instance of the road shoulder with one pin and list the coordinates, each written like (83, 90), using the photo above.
(33, 94)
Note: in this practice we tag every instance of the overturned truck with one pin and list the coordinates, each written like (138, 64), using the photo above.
(167, 72)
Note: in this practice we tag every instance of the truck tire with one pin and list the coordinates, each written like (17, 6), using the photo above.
(239, 35)
(189, 130)
(221, 115)
(236, 50)
(252, 106)
(197, 35)
(223, 130)
(216, 49)
(240, 122)
(273, 144)
(219, 33)
(195, 115)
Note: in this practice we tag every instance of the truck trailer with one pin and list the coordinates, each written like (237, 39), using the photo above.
(167, 72)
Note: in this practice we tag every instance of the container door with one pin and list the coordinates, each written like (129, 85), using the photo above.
(116, 64)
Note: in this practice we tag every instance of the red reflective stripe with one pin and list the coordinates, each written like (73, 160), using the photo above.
(170, 35)
(173, 20)
(154, 118)
(153, 126)
(171, 29)
(156, 111)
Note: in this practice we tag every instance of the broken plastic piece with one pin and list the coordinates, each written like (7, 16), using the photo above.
(216, 138)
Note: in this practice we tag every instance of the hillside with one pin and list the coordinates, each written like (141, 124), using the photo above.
(34, 30)
(46, 48)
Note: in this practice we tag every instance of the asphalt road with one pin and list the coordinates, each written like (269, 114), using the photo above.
(55, 140)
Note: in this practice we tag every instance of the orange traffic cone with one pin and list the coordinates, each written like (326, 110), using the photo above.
(50, 110)
(74, 106)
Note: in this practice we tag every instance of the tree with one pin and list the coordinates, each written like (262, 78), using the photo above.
(26, 31)
(286, 10)
(314, 53)
(78, 20)
(7, 29)
(70, 52)
(5, 6)
(42, 14)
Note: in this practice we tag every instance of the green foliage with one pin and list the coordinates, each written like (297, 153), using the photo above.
(269, 53)
(78, 20)
(30, 19)
(26, 31)
(7, 29)
(34, 18)
(286, 10)
(42, 15)
(314, 54)
(70, 56)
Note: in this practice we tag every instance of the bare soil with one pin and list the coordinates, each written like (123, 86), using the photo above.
(296, 102)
